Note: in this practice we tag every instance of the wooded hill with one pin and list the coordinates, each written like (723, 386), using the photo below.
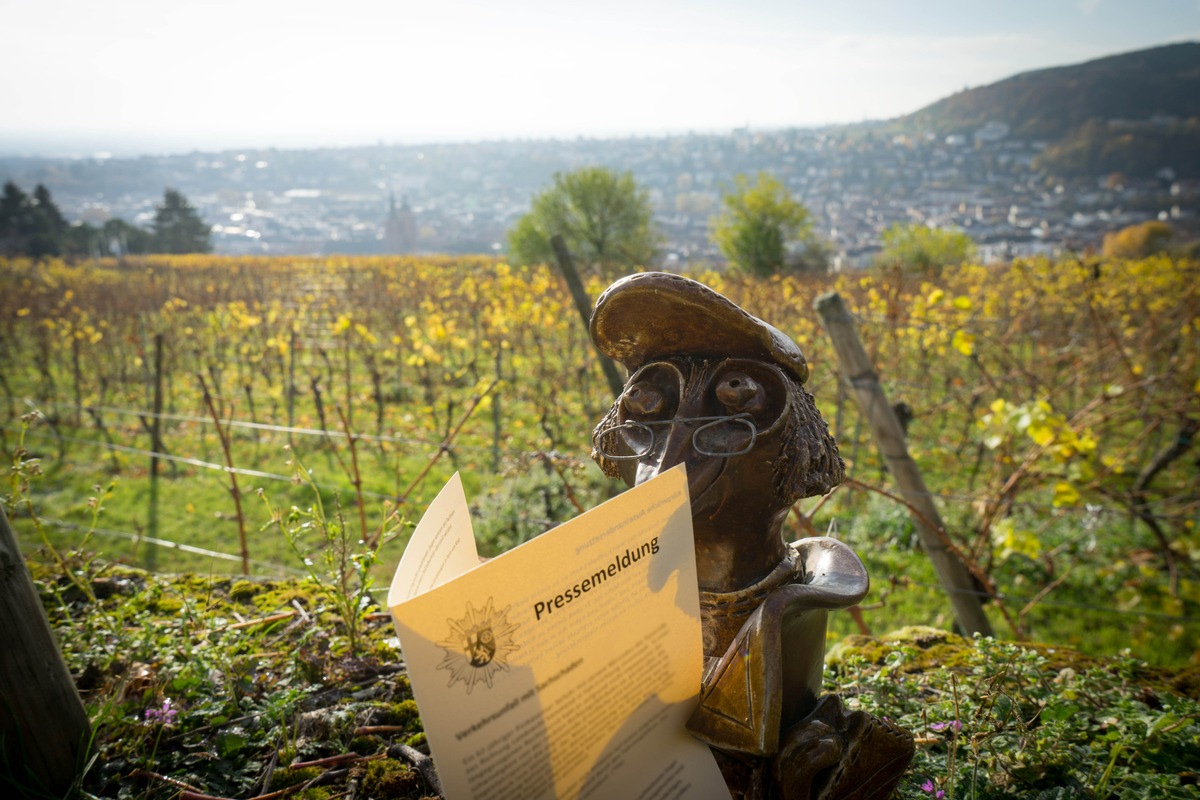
(1134, 112)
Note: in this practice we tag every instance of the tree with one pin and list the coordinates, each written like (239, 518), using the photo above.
(83, 240)
(178, 227)
(605, 219)
(31, 225)
(1138, 241)
(757, 222)
(813, 257)
(919, 248)
(13, 206)
(47, 225)
(122, 239)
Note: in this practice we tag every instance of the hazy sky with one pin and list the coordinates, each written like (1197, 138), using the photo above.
(176, 75)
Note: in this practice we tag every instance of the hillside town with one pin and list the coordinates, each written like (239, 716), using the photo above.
(462, 198)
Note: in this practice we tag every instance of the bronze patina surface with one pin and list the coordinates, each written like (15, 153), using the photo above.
(721, 391)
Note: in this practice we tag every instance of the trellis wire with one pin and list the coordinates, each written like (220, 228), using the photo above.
(167, 543)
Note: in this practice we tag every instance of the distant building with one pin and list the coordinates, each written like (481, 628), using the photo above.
(992, 131)
(400, 228)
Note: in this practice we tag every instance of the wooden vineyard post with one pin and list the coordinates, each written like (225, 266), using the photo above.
(156, 448)
(567, 265)
(44, 730)
(889, 436)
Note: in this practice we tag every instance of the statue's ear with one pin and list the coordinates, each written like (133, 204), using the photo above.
(610, 468)
(813, 465)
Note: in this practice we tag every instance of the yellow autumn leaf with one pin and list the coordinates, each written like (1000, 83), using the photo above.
(1012, 541)
(1041, 434)
(1065, 495)
(963, 342)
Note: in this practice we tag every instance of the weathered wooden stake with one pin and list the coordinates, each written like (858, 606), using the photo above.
(859, 371)
(567, 265)
(156, 447)
(497, 424)
(224, 435)
(44, 730)
(291, 388)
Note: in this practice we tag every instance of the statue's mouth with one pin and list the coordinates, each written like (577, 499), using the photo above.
(703, 478)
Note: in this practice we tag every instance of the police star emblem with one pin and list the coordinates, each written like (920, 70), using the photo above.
(478, 646)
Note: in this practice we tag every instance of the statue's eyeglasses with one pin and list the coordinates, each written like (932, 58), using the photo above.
(717, 436)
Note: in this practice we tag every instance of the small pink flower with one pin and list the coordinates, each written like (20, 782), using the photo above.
(929, 788)
(953, 725)
(165, 714)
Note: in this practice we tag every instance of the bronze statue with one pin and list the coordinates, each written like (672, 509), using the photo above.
(722, 391)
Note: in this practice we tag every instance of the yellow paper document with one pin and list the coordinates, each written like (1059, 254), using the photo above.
(565, 668)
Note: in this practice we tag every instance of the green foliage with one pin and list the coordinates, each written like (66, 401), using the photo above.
(999, 720)
(181, 679)
(48, 225)
(535, 495)
(389, 778)
(343, 559)
(253, 691)
(924, 250)
(33, 226)
(12, 205)
(115, 238)
(757, 222)
(178, 227)
(604, 218)
(1097, 611)
(30, 225)
(812, 257)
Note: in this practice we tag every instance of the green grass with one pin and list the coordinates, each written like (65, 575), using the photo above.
(1106, 608)
(195, 505)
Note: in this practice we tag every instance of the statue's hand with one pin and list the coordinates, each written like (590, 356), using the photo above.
(834, 754)
(809, 752)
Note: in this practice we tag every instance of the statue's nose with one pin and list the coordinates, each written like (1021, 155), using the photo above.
(672, 445)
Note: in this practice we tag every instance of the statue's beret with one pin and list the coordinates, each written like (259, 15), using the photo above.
(655, 315)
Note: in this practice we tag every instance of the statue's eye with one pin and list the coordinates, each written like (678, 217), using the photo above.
(644, 400)
(739, 393)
